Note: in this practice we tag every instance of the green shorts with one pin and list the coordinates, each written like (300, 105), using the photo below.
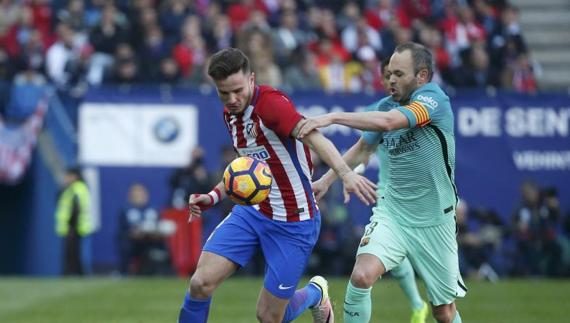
(431, 250)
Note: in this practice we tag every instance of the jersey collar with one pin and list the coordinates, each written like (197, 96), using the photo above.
(255, 96)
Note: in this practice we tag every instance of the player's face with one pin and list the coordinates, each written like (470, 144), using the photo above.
(402, 79)
(235, 91)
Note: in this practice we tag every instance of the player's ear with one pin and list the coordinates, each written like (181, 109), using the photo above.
(423, 76)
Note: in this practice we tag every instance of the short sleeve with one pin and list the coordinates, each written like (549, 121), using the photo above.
(372, 138)
(424, 107)
(278, 113)
(417, 114)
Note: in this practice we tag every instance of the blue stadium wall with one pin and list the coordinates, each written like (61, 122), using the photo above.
(501, 140)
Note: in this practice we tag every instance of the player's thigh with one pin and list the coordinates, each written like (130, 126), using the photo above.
(212, 270)
(382, 239)
(433, 252)
(271, 306)
(235, 238)
(287, 247)
(367, 269)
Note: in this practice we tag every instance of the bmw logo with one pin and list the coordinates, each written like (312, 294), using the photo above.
(166, 129)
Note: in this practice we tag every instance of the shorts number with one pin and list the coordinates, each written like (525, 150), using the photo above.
(370, 228)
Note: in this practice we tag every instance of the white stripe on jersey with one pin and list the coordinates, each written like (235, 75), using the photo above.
(300, 147)
(275, 198)
(291, 171)
(247, 112)
(232, 123)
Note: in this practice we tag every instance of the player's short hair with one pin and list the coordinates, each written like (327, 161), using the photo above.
(421, 57)
(226, 62)
(384, 64)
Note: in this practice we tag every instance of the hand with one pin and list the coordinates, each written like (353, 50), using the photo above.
(320, 188)
(198, 203)
(311, 124)
(364, 189)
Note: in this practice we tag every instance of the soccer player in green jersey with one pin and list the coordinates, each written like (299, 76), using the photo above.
(415, 214)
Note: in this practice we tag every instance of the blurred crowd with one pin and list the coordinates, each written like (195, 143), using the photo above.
(302, 44)
(333, 45)
(532, 242)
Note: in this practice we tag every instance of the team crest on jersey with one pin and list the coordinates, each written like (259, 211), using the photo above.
(251, 129)
(364, 241)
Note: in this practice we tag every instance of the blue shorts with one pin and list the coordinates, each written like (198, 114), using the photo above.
(286, 246)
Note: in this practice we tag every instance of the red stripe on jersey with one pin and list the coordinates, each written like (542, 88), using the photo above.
(265, 208)
(279, 174)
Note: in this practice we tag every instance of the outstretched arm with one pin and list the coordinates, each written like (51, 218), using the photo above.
(358, 154)
(372, 120)
(364, 189)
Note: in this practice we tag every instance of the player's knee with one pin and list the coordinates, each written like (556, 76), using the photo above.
(362, 278)
(266, 315)
(201, 287)
(444, 314)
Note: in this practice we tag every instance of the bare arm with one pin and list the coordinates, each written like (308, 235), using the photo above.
(358, 154)
(327, 152)
(364, 189)
(372, 120)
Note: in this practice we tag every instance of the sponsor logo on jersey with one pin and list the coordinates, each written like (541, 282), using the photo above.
(430, 102)
(259, 153)
(401, 143)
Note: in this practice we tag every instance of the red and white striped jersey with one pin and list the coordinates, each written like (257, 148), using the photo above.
(263, 131)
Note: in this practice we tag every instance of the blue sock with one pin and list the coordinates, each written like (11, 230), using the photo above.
(194, 310)
(304, 298)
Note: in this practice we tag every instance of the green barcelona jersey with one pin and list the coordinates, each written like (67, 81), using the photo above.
(417, 164)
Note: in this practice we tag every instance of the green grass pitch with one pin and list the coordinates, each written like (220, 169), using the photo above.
(108, 300)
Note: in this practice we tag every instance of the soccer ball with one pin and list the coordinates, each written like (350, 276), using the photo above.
(247, 181)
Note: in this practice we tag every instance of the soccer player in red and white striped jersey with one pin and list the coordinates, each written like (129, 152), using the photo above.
(263, 123)
(262, 131)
